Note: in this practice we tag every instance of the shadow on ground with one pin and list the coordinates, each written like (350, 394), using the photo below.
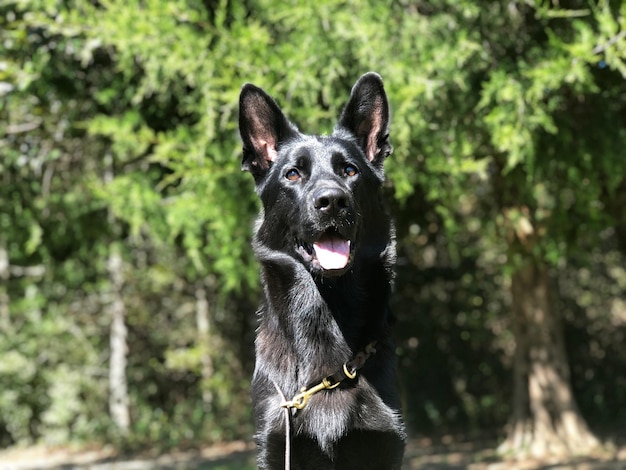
(423, 454)
(451, 454)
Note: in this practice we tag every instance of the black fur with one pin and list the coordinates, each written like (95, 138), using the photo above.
(316, 318)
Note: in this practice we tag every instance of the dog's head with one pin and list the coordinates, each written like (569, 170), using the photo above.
(320, 194)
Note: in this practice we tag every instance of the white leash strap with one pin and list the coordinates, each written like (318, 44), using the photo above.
(287, 429)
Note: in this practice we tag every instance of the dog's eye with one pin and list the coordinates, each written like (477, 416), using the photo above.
(292, 175)
(350, 170)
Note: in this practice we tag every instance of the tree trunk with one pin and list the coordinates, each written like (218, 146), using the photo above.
(203, 324)
(546, 421)
(118, 388)
(5, 318)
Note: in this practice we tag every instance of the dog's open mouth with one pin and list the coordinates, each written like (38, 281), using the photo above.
(331, 251)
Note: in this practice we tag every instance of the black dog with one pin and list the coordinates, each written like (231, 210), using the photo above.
(326, 247)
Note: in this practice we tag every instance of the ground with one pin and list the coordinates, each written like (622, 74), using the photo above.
(447, 453)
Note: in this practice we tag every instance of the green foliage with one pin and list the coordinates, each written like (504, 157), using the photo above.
(118, 125)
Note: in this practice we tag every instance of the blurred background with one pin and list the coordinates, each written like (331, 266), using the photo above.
(127, 285)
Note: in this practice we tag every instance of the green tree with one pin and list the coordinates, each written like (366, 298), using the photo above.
(517, 124)
(51, 358)
(122, 138)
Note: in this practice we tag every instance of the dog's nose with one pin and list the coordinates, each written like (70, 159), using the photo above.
(331, 200)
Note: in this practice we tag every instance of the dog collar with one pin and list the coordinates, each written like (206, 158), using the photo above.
(348, 371)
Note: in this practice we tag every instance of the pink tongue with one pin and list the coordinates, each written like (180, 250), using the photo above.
(332, 253)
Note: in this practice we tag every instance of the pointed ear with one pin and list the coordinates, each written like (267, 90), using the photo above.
(367, 116)
(262, 126)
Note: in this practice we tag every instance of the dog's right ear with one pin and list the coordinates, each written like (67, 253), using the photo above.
(263, 127)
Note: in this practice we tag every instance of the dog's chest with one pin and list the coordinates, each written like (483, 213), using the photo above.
(331, 415)
(326, 417)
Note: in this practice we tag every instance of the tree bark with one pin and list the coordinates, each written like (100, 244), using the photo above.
(203, 324)
(118, 387)
(546, 421)
(5, 318)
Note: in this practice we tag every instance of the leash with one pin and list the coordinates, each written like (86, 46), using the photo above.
(300, 400)
(348, 371)
(287, 430)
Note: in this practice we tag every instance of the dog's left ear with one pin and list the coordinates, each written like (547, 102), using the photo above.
(263, 127)
(367, 116)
